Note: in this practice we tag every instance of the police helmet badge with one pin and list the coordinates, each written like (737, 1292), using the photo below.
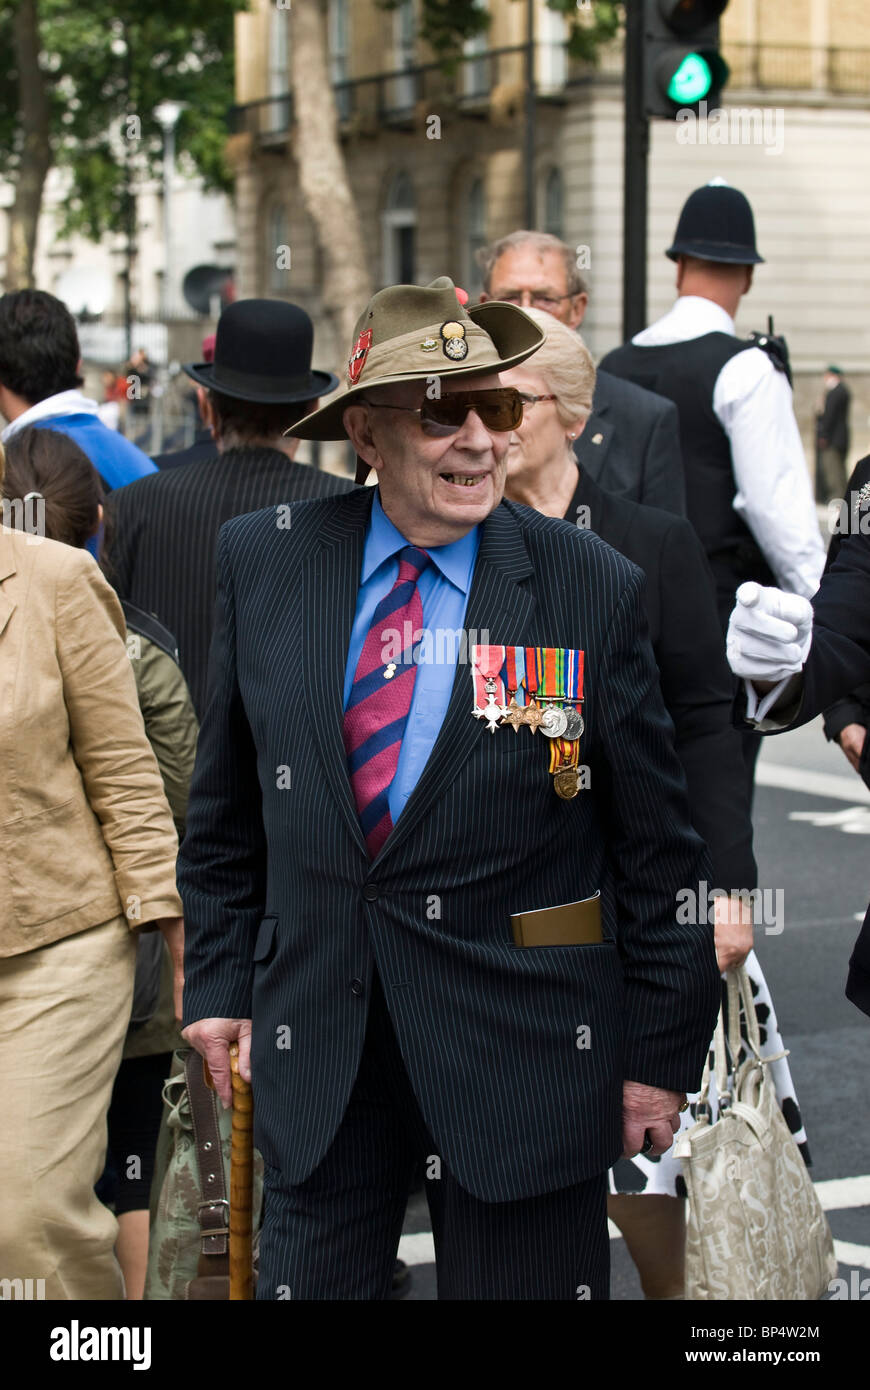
(454, 343)
(358, 354)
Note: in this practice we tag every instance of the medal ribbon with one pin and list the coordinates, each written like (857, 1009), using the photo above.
(487, 663)
(564, 752)
(574, 675)
(514, 673)
(547, 667)
(533, 669)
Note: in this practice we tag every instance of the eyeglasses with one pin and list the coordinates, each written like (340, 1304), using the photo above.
(548, 302)
(500, 410)
(529, 401)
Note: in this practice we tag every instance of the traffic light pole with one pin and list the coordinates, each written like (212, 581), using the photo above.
(634, 191)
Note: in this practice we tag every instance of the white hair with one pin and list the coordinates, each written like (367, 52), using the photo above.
(565, 363)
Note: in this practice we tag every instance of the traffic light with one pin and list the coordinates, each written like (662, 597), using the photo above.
(682, 64)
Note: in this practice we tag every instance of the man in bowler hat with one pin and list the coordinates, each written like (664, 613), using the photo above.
(370, 866)
(260, 382)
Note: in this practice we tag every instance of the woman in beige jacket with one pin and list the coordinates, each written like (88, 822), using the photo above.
(88, 845)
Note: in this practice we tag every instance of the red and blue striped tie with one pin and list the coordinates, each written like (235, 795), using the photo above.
(380, 698)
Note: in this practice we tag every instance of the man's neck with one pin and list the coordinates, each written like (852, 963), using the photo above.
(279, 445)
(717, 295)
(11, 405)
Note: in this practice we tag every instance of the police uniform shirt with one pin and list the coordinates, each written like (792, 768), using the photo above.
(753, 403)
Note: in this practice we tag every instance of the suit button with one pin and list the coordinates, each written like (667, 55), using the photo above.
(370, 892)
(357, 987)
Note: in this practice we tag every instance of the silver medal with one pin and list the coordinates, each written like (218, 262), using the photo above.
(574, 726)
(553, 722)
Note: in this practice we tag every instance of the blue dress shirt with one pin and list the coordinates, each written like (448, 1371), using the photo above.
(444, 587)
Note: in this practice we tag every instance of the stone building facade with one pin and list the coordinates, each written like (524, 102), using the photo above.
(796, 140)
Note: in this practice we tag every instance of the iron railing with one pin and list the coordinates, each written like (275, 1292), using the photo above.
(798, 68)
(392, 98)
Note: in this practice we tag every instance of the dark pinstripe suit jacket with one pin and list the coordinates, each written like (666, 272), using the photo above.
(285, 913)
(162, 555)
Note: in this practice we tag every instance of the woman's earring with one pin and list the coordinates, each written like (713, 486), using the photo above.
(573, 435)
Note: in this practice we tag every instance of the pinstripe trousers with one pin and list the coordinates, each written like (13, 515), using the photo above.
(335, 1235)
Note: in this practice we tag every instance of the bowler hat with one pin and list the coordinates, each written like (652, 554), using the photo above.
(716, 224)
(421, 333)
(262, 353)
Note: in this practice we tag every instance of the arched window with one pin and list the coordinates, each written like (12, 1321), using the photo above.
(475, 236)
(399, 220)
(554, 198)
(278, 251)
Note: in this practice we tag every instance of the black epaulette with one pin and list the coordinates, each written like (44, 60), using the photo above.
(146, 625)
(776, 348)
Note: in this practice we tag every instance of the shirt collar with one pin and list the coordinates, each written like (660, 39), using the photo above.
(696, 309)
(64, 403)
(454, 561)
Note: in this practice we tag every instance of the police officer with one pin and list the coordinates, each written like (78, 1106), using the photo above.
(796, 658)
(748, 492)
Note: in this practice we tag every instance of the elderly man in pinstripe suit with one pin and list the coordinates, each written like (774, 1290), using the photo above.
(368, 870)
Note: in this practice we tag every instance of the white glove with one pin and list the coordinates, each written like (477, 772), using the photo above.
(769, 633)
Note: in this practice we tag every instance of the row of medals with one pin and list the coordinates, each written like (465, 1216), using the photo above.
(556, 720)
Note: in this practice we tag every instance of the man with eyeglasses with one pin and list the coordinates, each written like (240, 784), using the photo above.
(631, 444)
(429, 953)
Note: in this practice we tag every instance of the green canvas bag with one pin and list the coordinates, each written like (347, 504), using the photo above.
(188, 1245)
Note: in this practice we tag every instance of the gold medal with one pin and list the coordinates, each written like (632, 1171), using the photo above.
(532, 715)
(564, 759)
(515, 714)
(567, 782)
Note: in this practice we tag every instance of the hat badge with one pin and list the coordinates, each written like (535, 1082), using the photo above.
(454, 343)
(358, 354)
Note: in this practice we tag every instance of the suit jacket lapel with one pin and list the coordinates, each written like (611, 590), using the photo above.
(330, 585)
(591, 448)
(499, 609)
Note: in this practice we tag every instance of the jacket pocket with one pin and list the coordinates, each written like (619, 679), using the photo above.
(57, 863)
(265, 940)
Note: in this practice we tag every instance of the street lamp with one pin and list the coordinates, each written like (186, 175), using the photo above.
(167, 115)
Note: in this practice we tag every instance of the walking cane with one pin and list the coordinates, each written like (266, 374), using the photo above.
(241, 1245)
(241, 1184)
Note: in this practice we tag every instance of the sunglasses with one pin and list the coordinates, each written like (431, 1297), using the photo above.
(500, 410)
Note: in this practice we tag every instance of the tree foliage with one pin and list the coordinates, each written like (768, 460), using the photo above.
(110, 60)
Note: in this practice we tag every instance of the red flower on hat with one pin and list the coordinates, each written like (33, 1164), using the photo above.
(358, 354)
(461, 295)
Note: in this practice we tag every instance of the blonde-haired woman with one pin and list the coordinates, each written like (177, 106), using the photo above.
(89, 852)
(557, 385)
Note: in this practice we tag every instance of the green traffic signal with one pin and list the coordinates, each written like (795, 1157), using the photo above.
(692, 80)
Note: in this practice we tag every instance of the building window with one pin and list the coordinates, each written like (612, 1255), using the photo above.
(475, 69)
(554, 199)
(277, 114)
(552, 36)
(277, 250)
(399, 232)
(475, 237)
(338, 20)
(404, 88)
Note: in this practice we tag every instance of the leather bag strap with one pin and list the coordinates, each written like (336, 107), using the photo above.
(214, 1208)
